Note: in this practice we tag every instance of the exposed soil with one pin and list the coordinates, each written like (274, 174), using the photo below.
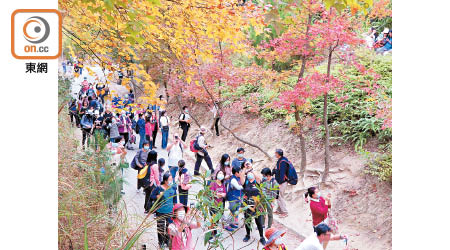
(361, 204)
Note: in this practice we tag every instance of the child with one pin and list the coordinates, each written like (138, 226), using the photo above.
(270, 189)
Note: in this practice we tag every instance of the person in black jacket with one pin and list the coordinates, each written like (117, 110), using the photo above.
(250, 192)
(280, 171)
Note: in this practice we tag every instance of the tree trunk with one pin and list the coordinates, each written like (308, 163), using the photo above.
(325, 122)
(297, 112)
(302, 143)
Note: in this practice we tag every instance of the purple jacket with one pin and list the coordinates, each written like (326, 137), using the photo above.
(124, 122)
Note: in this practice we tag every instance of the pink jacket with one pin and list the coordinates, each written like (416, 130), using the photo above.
(148, 129)
(154, 177)
(177, 237)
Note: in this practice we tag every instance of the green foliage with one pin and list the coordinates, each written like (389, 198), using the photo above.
(380, 164)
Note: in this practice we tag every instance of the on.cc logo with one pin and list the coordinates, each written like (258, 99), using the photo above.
(36, 29)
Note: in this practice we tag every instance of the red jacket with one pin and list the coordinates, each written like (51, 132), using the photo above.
(319, 210)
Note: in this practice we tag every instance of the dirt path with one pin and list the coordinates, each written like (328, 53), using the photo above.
(134, 201)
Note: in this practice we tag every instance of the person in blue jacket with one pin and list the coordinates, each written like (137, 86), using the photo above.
(140, 127)
(280, 175)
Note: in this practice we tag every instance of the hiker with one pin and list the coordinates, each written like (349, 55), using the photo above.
(114, 129)
(386, 42)
(163, 195)
(64, 67)
(322, 234)
(255, 208)
(202, 153)
(220, 192)
(237, 162)
(124, 126)
(120, 74)
(164, 124)
(161, 164)
(274, 240)
(224, 166)
(80, 67)
(319, 205)
(185, 122)
(84, 86)
(86, 126)
(370, 37)
(140, 161)
(270, 189)
(175, 154)
(280, 175)
(234, 196)
(73, 113)
(154, 127)
(147, 178)
(97, 130)
(148, 131)
(183, 182)
(131, 96)
(118, 155)
(180, 228)
(140, 129)
(217, 114)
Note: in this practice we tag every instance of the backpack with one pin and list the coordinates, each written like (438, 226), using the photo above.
(184, 116)
(133, 162)
(291, 174)
(229, 189)
(194, 145)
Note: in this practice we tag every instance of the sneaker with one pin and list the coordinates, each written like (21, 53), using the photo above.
(263, 241)
(228, 228)
(247, 238)
(234, 226)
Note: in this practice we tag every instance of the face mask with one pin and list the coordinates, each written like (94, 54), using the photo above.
(227, 163)
(250, 176)
(122, 142)
(318, 195)
(114, 144)
(220, 177)
(187, 111)
(113, 151)
(278, 241)
(146, 147)
(180, 215)
(240, 155)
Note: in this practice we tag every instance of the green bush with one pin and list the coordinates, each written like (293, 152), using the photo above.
(380, 164)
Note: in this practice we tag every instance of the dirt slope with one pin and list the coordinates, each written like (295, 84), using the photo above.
(362, 204)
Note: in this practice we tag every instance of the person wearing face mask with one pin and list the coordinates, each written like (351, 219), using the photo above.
(180, 229)
(319, 205)
(118, 154)
(270, 189)
(114, 129)
(319, 239)
(163, 195)
(202, 153)
(234, 196)
(220, 192)
(184, 178)
(175, 152)
(140, 161)
(237, 162)
(185, 122)
(87, 122)
(274, 240)
(224, 166)
(124, 126)
(255, 207)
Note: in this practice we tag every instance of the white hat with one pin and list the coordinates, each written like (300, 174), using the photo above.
(202, 128)
(96, 112)
(386, 30)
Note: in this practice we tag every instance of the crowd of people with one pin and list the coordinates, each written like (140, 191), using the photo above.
(381, 43)
(166, 182)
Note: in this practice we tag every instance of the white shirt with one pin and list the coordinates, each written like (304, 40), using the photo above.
(164, 121)
(214, 111)
(235, 184)
(310, 243)
(186, 117)
(175, 154)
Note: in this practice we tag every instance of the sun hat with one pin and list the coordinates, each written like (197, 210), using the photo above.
(202, 128)
(272, 234)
